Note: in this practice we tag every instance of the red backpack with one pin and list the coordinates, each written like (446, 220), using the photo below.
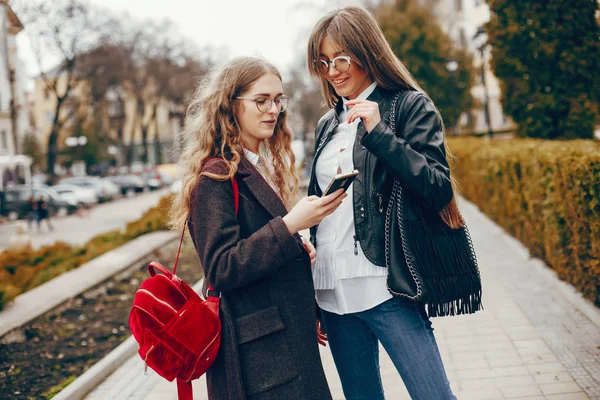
(178, 332)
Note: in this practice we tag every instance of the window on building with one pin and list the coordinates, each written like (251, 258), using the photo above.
(49, 116)
(458, 5)
(47, 93)
(3, 140)
(478, 3)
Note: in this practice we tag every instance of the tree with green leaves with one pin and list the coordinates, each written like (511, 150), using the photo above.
(420, 43)
(547, 57)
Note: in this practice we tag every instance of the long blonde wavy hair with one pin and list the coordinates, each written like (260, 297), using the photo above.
(211, 131)
(356, 32)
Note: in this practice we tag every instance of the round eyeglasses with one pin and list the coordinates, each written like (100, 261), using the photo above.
(264, 104)
(340, 63)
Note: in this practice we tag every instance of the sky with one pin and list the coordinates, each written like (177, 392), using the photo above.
(275, 29)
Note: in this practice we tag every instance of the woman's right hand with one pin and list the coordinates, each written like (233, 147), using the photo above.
(311, 210)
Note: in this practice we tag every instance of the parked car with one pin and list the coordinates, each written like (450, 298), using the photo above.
(128, 184)
(79, 195)
(168, 173)
(152, 178)
(105, 189)
(18, 205)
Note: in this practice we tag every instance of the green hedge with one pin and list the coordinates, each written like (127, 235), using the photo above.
(544, 193)
(21, 270)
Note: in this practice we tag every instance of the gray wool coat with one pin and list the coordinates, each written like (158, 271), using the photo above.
(269, 347)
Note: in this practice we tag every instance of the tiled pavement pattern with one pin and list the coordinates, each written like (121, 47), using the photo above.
(529, 343)
(572, 337)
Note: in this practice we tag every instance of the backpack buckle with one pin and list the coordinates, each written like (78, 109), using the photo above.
(212, 293)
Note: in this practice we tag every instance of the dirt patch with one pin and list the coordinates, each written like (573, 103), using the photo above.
(61, 346)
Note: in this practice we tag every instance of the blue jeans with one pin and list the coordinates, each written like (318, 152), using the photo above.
(405, 332)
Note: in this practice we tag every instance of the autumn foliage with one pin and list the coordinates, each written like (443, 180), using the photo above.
(544, 193)
(22, 270)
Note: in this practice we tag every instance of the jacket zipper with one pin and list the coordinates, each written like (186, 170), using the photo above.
(146, 360)
(365, 175)
(323, 141)
(380, 198)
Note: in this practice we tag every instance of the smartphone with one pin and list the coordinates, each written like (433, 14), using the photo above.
(341, 181)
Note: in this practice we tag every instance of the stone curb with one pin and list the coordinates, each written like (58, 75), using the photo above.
(57, 291)
(98, 372)
(564, 288)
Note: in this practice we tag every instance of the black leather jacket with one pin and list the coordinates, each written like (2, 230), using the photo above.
(416, 157)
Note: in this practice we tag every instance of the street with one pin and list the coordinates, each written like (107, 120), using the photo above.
(75, 229)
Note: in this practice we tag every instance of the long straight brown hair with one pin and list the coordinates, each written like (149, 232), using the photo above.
(356, 32)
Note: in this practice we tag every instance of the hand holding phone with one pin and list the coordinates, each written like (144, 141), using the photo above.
(341, 181)
(311, 210)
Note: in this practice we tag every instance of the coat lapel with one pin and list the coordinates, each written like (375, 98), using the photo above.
(260, 189)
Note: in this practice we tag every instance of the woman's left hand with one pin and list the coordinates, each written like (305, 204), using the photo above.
(312, 252)
(366, 110)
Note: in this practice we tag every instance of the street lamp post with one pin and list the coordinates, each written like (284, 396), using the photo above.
(78, 142)
(486, 99)
(452, 67)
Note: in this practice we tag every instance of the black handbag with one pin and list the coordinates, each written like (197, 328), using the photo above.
(428, 261)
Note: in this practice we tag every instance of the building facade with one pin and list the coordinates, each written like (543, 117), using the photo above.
(121, 119)
(463, 20)
(14, 120)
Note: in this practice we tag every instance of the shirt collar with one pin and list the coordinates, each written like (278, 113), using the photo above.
(252, 157)
(365, 93)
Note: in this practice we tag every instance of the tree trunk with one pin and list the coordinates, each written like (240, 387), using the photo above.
(157, 152)
(99, 128)
(144, 128)
(13, 120)
(13, 111)
(51, 155)
(156, 136)
(129, 154)
(53, 138)
(144, 144)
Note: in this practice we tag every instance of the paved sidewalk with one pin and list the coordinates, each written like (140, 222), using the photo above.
(531, 342)
(77, 230)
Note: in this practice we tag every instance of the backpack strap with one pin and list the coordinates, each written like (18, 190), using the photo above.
(236, 202)
(184, 390)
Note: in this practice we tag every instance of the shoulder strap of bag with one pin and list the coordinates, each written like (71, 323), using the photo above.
(397, 197)
(236, 202)
(184, 390)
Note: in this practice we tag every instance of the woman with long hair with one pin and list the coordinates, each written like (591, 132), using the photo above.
(236, 130)
(397, 250)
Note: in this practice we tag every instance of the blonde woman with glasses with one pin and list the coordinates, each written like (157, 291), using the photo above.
(397, 244)
(236, 129)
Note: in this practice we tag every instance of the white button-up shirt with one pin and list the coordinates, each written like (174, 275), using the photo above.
(344, 282)
(264, 166)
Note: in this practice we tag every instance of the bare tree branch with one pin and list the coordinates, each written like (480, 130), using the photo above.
(60, 31)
